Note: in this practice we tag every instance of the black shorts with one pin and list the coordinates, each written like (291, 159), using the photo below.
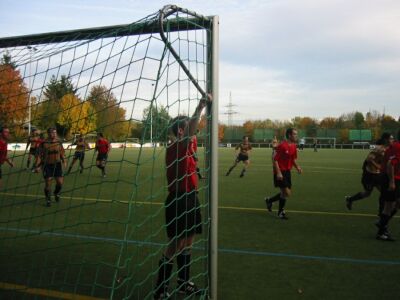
(52, 170)
(286, 182)
(182, 215)
(102, 157)
(79, 155)
(32, 151)
(369, 181)
(242, 157)
(390, 196)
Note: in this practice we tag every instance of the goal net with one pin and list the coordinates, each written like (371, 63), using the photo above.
(105, 236)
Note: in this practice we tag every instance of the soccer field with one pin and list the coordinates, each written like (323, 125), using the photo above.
(322, 252)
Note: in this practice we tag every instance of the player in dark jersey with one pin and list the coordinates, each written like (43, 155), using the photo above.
(4, 137)
(52, 158)
(182, 208)
(371, 176)
(32, 142)
(390, 189)
(284, 159)
(102, 147)
(81, 147)
(243, 155)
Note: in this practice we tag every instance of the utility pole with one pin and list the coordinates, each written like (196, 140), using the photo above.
(230, 112)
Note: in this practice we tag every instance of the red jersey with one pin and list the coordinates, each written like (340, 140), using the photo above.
(395, 160)
(390, 152)
(38, 142)
(181, 167)
(102, 145)
(3, 151)
(194, 143)
(285, 155)
(396, 165)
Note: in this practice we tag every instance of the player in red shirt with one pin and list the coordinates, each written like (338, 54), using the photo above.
(283, 161)
(196, 158)
(390, 190)
(182, 208)
(103, 147)
(4, 137)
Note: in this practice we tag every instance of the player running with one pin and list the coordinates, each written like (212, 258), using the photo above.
(243, 155)
(103, 147)
(52, 158)
(284, 159)
(81, 147)
(4, 137)
(371, 177)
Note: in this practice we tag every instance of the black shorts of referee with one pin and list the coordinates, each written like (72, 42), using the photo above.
(182, 215)
(286, 181)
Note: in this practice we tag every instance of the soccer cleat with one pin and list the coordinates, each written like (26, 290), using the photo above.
(227, 173)
(385, 237)
(81, 171)
(188, 288)
(268, 203)
(57, 197)
(282, 215)
(48, 201)
(162, 296)
(241, 175)
(349, 203)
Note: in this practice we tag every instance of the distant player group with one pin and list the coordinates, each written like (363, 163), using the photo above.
(48, 155)
(380, 170)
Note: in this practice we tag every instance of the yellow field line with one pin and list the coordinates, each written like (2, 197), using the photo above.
(348, 214)
(44, 292)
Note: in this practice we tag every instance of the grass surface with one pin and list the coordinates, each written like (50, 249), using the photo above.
(322, 252)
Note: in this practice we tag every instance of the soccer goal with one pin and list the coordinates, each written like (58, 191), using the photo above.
(105, 236)
(322, 142)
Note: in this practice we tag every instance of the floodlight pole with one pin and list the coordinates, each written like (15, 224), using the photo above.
(31, 50)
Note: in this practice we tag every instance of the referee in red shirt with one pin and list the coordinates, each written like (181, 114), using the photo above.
(283, 161)
(4, 136)
(182, 207)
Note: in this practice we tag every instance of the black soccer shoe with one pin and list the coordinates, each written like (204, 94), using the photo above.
(268, 203)
(385, 237)
(349, 203)
(188, 288)
(282, 215)
(162, 296)
(57, 197)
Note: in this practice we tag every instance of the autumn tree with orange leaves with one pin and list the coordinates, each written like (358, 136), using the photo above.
(13, 95)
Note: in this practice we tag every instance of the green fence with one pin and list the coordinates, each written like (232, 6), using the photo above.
(360, 135)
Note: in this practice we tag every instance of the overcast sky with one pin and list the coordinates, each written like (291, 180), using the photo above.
(279, 58)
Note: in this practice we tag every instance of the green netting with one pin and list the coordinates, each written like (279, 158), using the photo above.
(360, 135)
(105, 237)
(262, 134)
(233, 134)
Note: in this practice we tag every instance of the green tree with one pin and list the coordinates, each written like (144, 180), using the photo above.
(156, 123)
(110, 117)
(49, 108)
(358, 120)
